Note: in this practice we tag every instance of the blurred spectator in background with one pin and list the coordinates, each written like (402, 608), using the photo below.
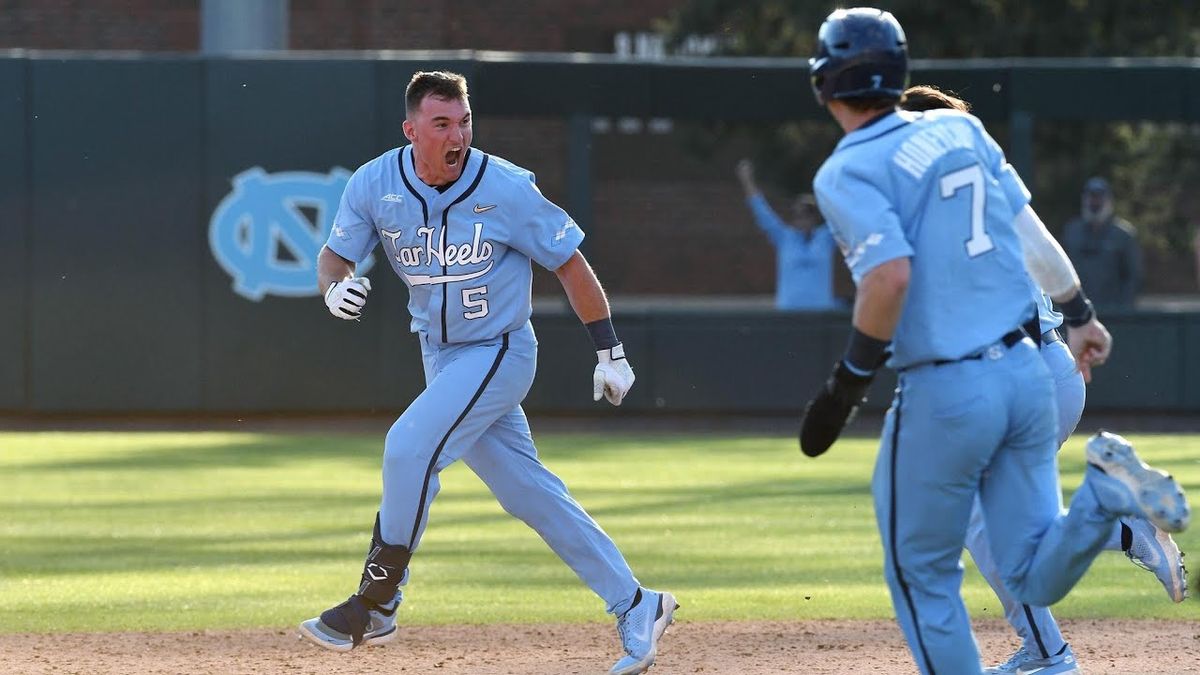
(1196, 248)
(1104, 249)
(803, 248)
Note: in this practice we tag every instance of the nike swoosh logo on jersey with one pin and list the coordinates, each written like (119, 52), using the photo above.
(481, 209)
(393, 197)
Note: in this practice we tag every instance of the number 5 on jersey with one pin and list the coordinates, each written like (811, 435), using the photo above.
(473, 300)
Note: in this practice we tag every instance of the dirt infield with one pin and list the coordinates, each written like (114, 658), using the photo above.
(1102, 646)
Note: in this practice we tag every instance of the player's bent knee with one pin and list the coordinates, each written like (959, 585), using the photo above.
(1035, 594)
(1041, 599)
(405, 443)
(403, 457)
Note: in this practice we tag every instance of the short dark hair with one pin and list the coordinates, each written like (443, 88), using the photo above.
(436, 83)
(924, 97)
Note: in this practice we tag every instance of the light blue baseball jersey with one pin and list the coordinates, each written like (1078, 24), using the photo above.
(803, 264)
(1048, 319)
(936, 188)
(464, 252)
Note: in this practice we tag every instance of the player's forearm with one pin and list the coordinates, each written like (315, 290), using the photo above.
(331, 267)
(880, 299)
(877, 309)
(583, 289)
(1045, 259)
(1050, 267)
(1063, 298)
(591, 306)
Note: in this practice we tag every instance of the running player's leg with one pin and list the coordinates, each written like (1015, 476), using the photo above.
(1039, 632)
(1040, 635)
(1139, 539)
(1071, 392)
(1039, 552)
(506, 459)
(940, 432)
(1041, 560)
(468, 387)
(474, 385)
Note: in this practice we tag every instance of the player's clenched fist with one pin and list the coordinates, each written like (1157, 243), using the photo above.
(1090, 344)
(346, 299)
(613, 377)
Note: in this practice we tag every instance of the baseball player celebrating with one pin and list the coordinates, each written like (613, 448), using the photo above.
(922, 205)
(460, 227)
(1043, 648)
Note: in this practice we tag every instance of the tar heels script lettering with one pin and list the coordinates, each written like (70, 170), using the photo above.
(441, 254)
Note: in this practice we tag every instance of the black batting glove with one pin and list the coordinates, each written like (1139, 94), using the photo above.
(833, 406)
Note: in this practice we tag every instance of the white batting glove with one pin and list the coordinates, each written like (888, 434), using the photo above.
(345, 299)
(613, 377)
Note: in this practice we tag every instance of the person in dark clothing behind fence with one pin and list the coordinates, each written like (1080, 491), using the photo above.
(1104, 248)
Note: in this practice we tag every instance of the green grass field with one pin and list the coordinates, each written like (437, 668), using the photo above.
(174, 531)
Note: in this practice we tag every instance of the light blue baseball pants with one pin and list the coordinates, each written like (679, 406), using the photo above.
(981, 427)
(471, 410)
(1036, 625)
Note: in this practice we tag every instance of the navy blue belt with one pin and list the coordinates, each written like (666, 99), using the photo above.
(1008, 340)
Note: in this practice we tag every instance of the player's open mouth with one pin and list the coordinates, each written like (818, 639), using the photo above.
(453, 156)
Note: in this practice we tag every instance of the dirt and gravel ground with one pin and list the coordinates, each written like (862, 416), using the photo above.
(749, 648)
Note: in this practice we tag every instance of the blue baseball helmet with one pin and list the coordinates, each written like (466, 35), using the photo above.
(861, 53)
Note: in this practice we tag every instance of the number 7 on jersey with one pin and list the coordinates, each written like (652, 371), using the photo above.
(971, 177)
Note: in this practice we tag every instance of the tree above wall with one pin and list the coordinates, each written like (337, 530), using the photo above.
(939, 29)
(1154, 167)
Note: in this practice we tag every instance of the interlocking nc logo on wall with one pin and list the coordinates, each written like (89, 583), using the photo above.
(262, 217)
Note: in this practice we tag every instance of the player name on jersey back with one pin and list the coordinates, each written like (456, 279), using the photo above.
(923, 149)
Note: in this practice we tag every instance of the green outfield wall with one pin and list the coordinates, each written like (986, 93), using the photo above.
(117, 173)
